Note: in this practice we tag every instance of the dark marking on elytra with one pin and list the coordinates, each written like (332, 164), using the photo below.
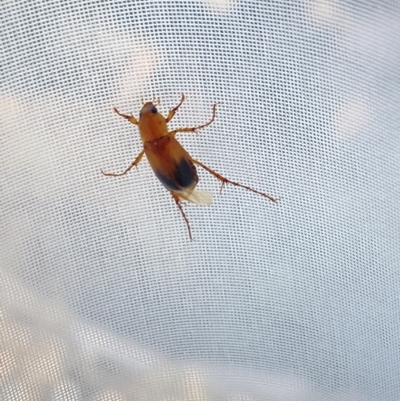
(185, 176)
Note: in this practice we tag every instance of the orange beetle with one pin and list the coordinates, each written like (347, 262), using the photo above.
(171, 163)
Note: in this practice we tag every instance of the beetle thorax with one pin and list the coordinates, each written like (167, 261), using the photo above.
(152, 124)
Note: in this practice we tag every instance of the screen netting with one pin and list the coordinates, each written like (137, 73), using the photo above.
(102, 294)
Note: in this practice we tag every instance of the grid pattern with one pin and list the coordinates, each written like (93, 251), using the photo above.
(103, 296)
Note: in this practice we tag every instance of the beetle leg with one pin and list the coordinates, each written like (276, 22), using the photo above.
(130, 118)
(194, 129)
(133, 164)
(225, 180)
(174, 110)
(179, 203)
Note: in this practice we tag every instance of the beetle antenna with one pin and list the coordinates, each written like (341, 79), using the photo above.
(156, 101)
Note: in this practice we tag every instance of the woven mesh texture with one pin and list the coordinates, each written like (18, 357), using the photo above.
(102, 294)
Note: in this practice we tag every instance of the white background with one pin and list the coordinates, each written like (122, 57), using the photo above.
(103, 296)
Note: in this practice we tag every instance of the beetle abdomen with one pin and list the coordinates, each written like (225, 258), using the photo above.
(171, 163)
(182, 176)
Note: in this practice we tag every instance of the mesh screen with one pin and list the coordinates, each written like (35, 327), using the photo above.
(102, 294)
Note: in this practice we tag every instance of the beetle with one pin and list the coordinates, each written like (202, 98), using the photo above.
(171, 163)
